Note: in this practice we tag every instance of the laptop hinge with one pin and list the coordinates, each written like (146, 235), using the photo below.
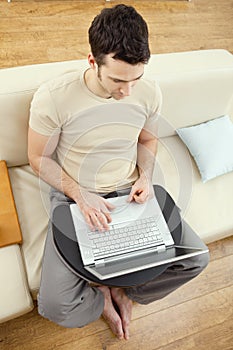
(99, 263)
(161, 248)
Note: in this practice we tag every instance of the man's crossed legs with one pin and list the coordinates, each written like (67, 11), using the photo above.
(68, 300)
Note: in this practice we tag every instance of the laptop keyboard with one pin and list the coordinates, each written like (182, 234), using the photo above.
(143, 233)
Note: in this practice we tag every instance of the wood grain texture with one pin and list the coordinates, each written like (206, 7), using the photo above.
(10, 232)
(48, 31)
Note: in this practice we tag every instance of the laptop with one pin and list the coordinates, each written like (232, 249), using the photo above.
(139, 238)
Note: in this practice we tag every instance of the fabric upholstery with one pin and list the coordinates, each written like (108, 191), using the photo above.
(15, 295)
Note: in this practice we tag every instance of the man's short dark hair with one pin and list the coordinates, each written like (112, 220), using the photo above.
(120, 30)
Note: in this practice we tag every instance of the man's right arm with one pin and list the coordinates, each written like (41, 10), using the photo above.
(40, 150)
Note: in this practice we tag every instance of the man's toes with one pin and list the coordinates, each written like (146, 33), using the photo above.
(119, 331)
(115, 325)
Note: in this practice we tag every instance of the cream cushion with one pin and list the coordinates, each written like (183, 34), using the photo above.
(196, 86)
(31, 198)
(211, 145)
(20, 83)
(13, 282)
(206, 207)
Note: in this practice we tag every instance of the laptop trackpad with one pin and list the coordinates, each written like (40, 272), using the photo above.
(127, 211)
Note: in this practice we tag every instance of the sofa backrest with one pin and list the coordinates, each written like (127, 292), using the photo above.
(17, 87)
(196, 86)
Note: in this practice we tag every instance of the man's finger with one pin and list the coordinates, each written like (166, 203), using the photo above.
(89, 222)
(109, 205)
(140, 197)
(131, 196)
(95, 218)
(108, 217)
(103, 220)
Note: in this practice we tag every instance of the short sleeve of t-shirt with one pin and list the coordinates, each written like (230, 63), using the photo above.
(43, 115)
(151, 123)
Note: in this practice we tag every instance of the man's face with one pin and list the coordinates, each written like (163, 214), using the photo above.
(117, 78)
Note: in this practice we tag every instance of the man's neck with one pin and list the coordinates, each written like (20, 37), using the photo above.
(93, 84)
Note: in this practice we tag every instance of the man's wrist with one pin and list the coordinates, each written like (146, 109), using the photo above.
(71, 189)
(76, 194)
(146, 175)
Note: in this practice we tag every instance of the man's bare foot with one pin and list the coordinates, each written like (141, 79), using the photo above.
(110, 314)
(125, 307)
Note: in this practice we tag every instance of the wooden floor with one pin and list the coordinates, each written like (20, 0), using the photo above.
(200, 314)
(48, 31)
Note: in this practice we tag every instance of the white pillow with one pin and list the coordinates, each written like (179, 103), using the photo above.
(211, 145)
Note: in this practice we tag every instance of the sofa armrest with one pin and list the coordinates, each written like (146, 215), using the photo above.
(15, 297)
(10, 232)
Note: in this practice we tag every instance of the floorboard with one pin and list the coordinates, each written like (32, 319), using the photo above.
(48, 31)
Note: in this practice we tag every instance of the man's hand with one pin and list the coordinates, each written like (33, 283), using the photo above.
(141, 191)
(95, 209)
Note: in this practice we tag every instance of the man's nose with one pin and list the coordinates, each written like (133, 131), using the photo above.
(126, 89)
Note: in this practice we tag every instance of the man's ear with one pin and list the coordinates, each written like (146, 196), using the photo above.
(91, 61)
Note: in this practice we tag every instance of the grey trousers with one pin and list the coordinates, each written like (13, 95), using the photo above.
(70, 301)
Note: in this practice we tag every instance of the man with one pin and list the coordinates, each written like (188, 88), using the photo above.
(92, 133)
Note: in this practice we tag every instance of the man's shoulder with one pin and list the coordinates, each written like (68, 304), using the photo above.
(147, 89)
(62, 81)
(148, 84)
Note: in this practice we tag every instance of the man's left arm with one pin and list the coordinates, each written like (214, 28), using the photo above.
(142, 189)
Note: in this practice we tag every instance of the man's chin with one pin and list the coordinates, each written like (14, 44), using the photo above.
(118, 96)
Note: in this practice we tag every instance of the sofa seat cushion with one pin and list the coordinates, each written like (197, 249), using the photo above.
(31, 198)
(176, 170)
(15, 298)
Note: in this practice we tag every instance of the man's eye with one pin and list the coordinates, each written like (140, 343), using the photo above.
(116, 81)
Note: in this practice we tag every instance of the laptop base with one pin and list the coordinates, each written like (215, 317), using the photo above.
(129, 265)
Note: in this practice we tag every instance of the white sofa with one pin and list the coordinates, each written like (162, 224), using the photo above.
(197, 86)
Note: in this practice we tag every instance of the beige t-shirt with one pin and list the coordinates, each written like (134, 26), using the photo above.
(98, 137)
